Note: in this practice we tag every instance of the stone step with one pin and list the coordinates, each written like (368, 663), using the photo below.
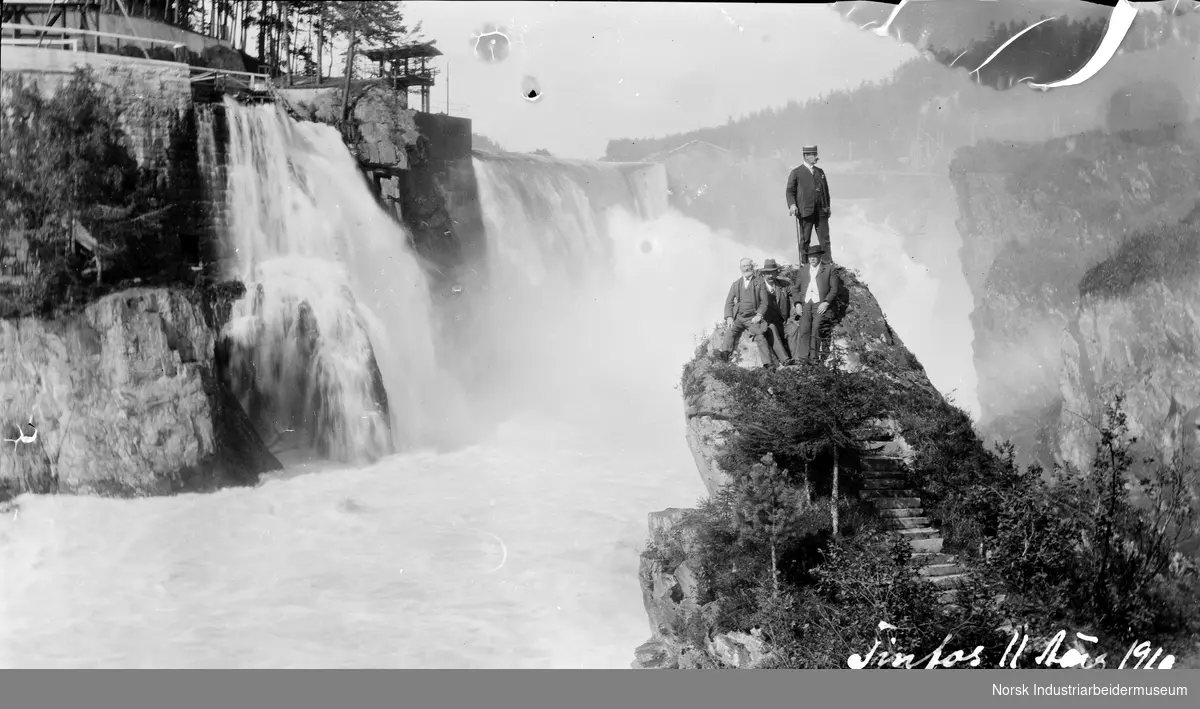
(941, 570)
(950, 581)
(882, 475)
(893, 512)
(878, 463)
(931, 545)
(931, 558)
(919, 533)
(893, 503)
(884, 483)
(906, 523)
(888, 492)
(948, 597)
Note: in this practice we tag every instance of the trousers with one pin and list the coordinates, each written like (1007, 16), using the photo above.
(767, 337)
(804, 334)
(821, 224)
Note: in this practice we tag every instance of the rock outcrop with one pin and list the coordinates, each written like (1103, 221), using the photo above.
(125, 400)
(1034, 218)
(681, 624)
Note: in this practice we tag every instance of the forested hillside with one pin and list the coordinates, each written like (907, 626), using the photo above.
(924, 107)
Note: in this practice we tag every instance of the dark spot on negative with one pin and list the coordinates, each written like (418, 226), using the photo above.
(531, 90)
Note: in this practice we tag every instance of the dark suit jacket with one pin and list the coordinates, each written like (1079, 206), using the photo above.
(828, 284)
(757, 291)
(780, 305)
(808, 191)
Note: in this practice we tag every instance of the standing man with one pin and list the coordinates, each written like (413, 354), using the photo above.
(745, 309)
(813, 293)
(808, 201)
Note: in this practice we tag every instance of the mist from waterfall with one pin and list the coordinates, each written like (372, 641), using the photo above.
(516, 549)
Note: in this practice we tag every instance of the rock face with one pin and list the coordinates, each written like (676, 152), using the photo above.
(1033, 219)
(1147, 344)
(125, 401)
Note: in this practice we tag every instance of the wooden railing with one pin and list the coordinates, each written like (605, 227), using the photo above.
(49, 34)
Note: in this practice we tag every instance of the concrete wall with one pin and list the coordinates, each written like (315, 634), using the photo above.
(146, 92)
(198, 43)
(449, 136)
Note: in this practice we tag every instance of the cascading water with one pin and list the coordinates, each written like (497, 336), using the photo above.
(335, 331)
(520, 550)
(553, 214)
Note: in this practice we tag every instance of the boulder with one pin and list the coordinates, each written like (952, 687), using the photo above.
(655, 655)
(739, 650)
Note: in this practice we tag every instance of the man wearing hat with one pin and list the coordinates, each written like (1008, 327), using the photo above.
(808, 201)
(746, 308)
(777, 310)
(813, 293)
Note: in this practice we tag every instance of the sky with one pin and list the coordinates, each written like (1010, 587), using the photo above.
(631, 70)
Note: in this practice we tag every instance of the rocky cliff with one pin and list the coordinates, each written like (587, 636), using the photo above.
(125, 399)
(1033, 219)
(681, 625)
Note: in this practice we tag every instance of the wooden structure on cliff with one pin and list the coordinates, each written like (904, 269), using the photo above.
(42, 16)
(405, 67)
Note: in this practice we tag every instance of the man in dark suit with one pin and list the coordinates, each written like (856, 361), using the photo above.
(746, 308)
(777, 310)
(808, 201)
(813, 294)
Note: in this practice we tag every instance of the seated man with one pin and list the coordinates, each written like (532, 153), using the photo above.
(813, 293)
(777, 311)
(745, 310)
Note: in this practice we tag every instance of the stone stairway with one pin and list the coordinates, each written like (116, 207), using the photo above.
(885, 484)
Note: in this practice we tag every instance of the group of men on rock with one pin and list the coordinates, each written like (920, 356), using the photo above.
(784, 318)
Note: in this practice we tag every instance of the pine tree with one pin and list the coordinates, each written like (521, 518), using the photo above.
(372, 23)
(766, 509)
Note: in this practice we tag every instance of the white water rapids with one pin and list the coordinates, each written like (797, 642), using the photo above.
(518, 550)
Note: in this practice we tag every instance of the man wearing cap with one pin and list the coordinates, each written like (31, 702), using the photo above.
(808, 201)
(813, 293)
(746, 308)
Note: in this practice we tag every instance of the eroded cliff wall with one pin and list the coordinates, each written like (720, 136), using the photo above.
(1033, 219)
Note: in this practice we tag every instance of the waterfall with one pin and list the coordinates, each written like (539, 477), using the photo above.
(334, 338)
(547, 219)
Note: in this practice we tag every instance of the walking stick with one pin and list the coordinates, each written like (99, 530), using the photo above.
(799, 245)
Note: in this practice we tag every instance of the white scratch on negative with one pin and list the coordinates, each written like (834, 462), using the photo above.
(1118, 26)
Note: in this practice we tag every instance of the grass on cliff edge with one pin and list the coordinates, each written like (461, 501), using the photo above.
(1064, 551)
(1162, 254)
